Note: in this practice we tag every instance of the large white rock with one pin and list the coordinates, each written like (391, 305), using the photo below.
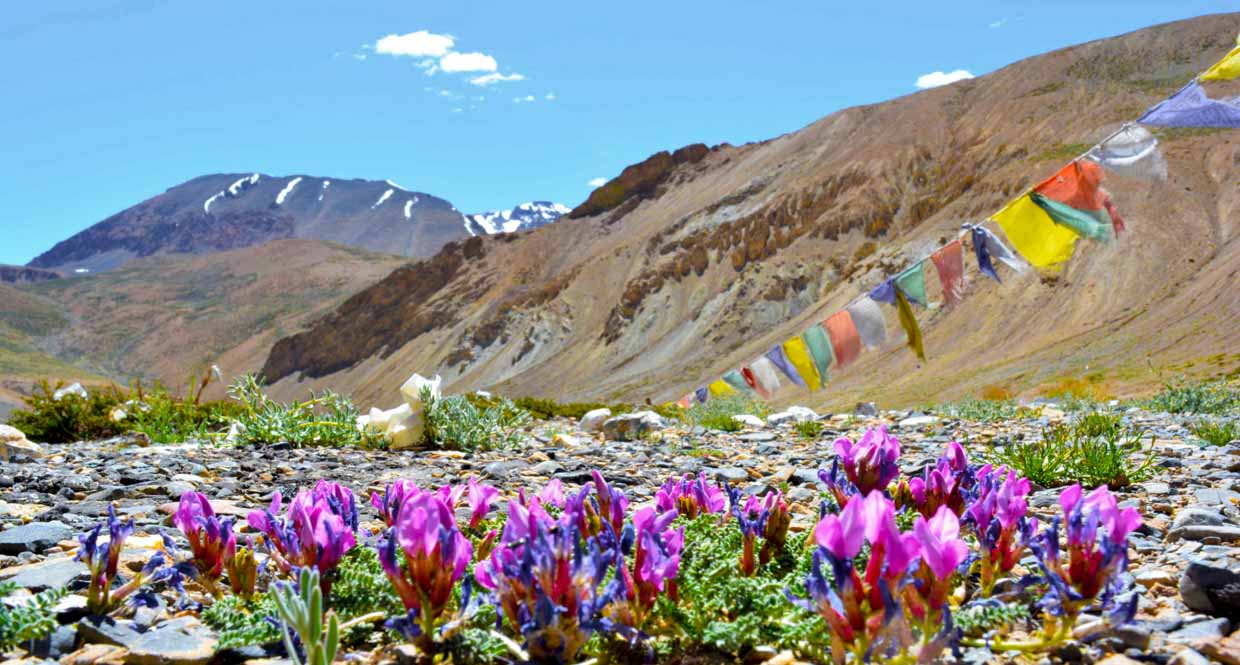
(749, 421)
(14, 442)
(913, 422)
(71, 389)
(592, 421)
(632, 426)
(405, 427)
(797, 414)
(412, 390)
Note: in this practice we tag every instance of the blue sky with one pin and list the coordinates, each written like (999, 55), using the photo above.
(107, 103)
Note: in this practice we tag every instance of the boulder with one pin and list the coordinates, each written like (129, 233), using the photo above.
(71, 389)
(34, 537)
(1211, 587)
(798, 414)
(411, 390)
(14, 442)
(750, 421)
(913, 422)
(593, 420)
(632, 426)
(405, 427)
(867, 409)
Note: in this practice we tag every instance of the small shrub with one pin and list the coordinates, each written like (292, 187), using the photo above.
(326, 420)
(31, 620)
(1216, 434)
(241, 622)
(1094, 450)
(454, 422)
(70, 418)
(717, 413)
(1217, 398)
(984, 410)
(808, 429)
(1043, 461)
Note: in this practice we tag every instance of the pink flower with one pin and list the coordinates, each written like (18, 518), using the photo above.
(939, 537)
(872, 463)
(480, 499)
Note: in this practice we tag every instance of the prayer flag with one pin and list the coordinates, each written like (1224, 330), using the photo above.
(996, 248)
(1133, 153)
(777, 358)
(1085, 207)
(736, 380)
(885, 292)
(686, 401)
(909, 322)
(765, 379)
(983, 253)
(1226, 69)
(949, 263)
(867, 318)
(1034, 234)
(701, 395)
(720, 388)
(798, 354)
(844, 337)
(913, 283)
(1078, 220)
(1190, 107)
(819, 346)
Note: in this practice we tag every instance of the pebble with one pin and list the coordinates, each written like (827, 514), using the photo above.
(34, 537)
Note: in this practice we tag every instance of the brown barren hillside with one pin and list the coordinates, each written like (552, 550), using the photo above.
(164, 317)
(693, 262)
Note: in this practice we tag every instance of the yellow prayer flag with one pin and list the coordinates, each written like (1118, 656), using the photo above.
(798, 355)
(1226, 69)
(720, 388)
(909, 323)
(1034, 234)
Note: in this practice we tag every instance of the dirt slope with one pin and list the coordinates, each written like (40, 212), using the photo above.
(695, 261)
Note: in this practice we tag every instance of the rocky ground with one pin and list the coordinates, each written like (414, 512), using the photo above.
(1185, 556)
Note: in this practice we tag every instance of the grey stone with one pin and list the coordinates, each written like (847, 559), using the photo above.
(592, 421)
(501, 469)
(757, 437)
(176, 488)
(1216, 497)
(550, 467)
(181, 641)
(1226, 534)
(1189, 657)
(1211, 629)
(731, 474)
(749, 421)
(1211, 588)
(632, 426)
(1197, 516)
(866, 409)
(49, 574)
(33, 537)
(792, 414)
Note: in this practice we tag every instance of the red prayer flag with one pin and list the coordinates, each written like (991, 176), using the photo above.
(949, 262)
(844, 337)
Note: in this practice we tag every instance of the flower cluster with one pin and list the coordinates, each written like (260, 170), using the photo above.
(212, 542)
(998, 517)
(768, 518)
(319, 527)
(691, 496)
(103, 562)
(869, 464)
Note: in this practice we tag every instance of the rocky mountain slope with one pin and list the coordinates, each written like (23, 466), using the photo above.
(227, 211)
(22, 274)
(523, 217)
(694, 261)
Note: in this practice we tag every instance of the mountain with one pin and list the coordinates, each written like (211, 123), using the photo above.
(221, 212)
(694, 261)
(22, 274)
(521, 218)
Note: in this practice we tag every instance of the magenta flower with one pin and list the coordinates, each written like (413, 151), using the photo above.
(942, 553)
(394, 496)
(655, 563)
(552, 494)
(606, 506)
(435, 553)
(210, 538)
(1096, 563)
(842, 535)
(691, 496)
(872, 463)
(998, 518)
(317, 529)
(944, 485)
(480, 499)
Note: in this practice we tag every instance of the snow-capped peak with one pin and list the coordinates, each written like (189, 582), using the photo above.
(393, 184)
(387, 194)
(287, 190)
(241, 184)
(525, 216)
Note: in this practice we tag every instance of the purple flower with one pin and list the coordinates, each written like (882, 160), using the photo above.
(691, 496)
(103, 563)
(317, 529)
(210, 538)
(944, 485)
(552, 494)
(435, 553)
(606, 506)
(942, 550)
(872, 463)
(998, 517)
(394, 496)
(480, 499)
(844, 534)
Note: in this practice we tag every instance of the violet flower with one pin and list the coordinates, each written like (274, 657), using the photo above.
(210, 538)
(548, 578)
(607, 506)
(862, 610)
(655, 563)
(998, 517)
(691, 496)
(870, 464)
(394, 496)
(751, 519)
(480, 499)
(435, 553)
(315, 530)
(103, 563)
(1097, 557)
(552, 494)
(942, 553)
(944, 485)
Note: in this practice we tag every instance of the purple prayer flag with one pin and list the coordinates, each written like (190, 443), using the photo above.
(701, 395)
(885, 292)
(1190, 107)
(983, 255)
(776, 356)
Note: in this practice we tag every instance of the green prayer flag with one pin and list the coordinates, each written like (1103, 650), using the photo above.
(819, 349)
(913, 283)
(737, 381)
(1089, 223)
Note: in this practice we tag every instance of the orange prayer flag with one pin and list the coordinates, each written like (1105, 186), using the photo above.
(949, 262)
(844, 337)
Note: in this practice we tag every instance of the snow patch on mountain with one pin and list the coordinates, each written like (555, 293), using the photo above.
(409, 209)
(326, 184)
(242, 184)
(385, 196)
(287, 190)
(206, 205)
(396, 185)
(529, 215)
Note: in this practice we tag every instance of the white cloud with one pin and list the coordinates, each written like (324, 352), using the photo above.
(467, 62)
(359, 56)
(495, 77)
(550, 97)
(420, 44)
(597, 182)
(936, 79)
(525, 99)
(445, 93)
(998, 24)
(428, 67)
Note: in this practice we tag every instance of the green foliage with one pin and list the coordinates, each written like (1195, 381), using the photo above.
(984, 410)
(979, 619)
(717, 413)
(156, 412)
(1216, 433)
(454, 422)
(545, 409)
(241, 622)
(326, 420)
(808, 429)
(360, 586)
(1217, 397)
(1094, 450)
(31, 620)
(722, 610)
(301, 612)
